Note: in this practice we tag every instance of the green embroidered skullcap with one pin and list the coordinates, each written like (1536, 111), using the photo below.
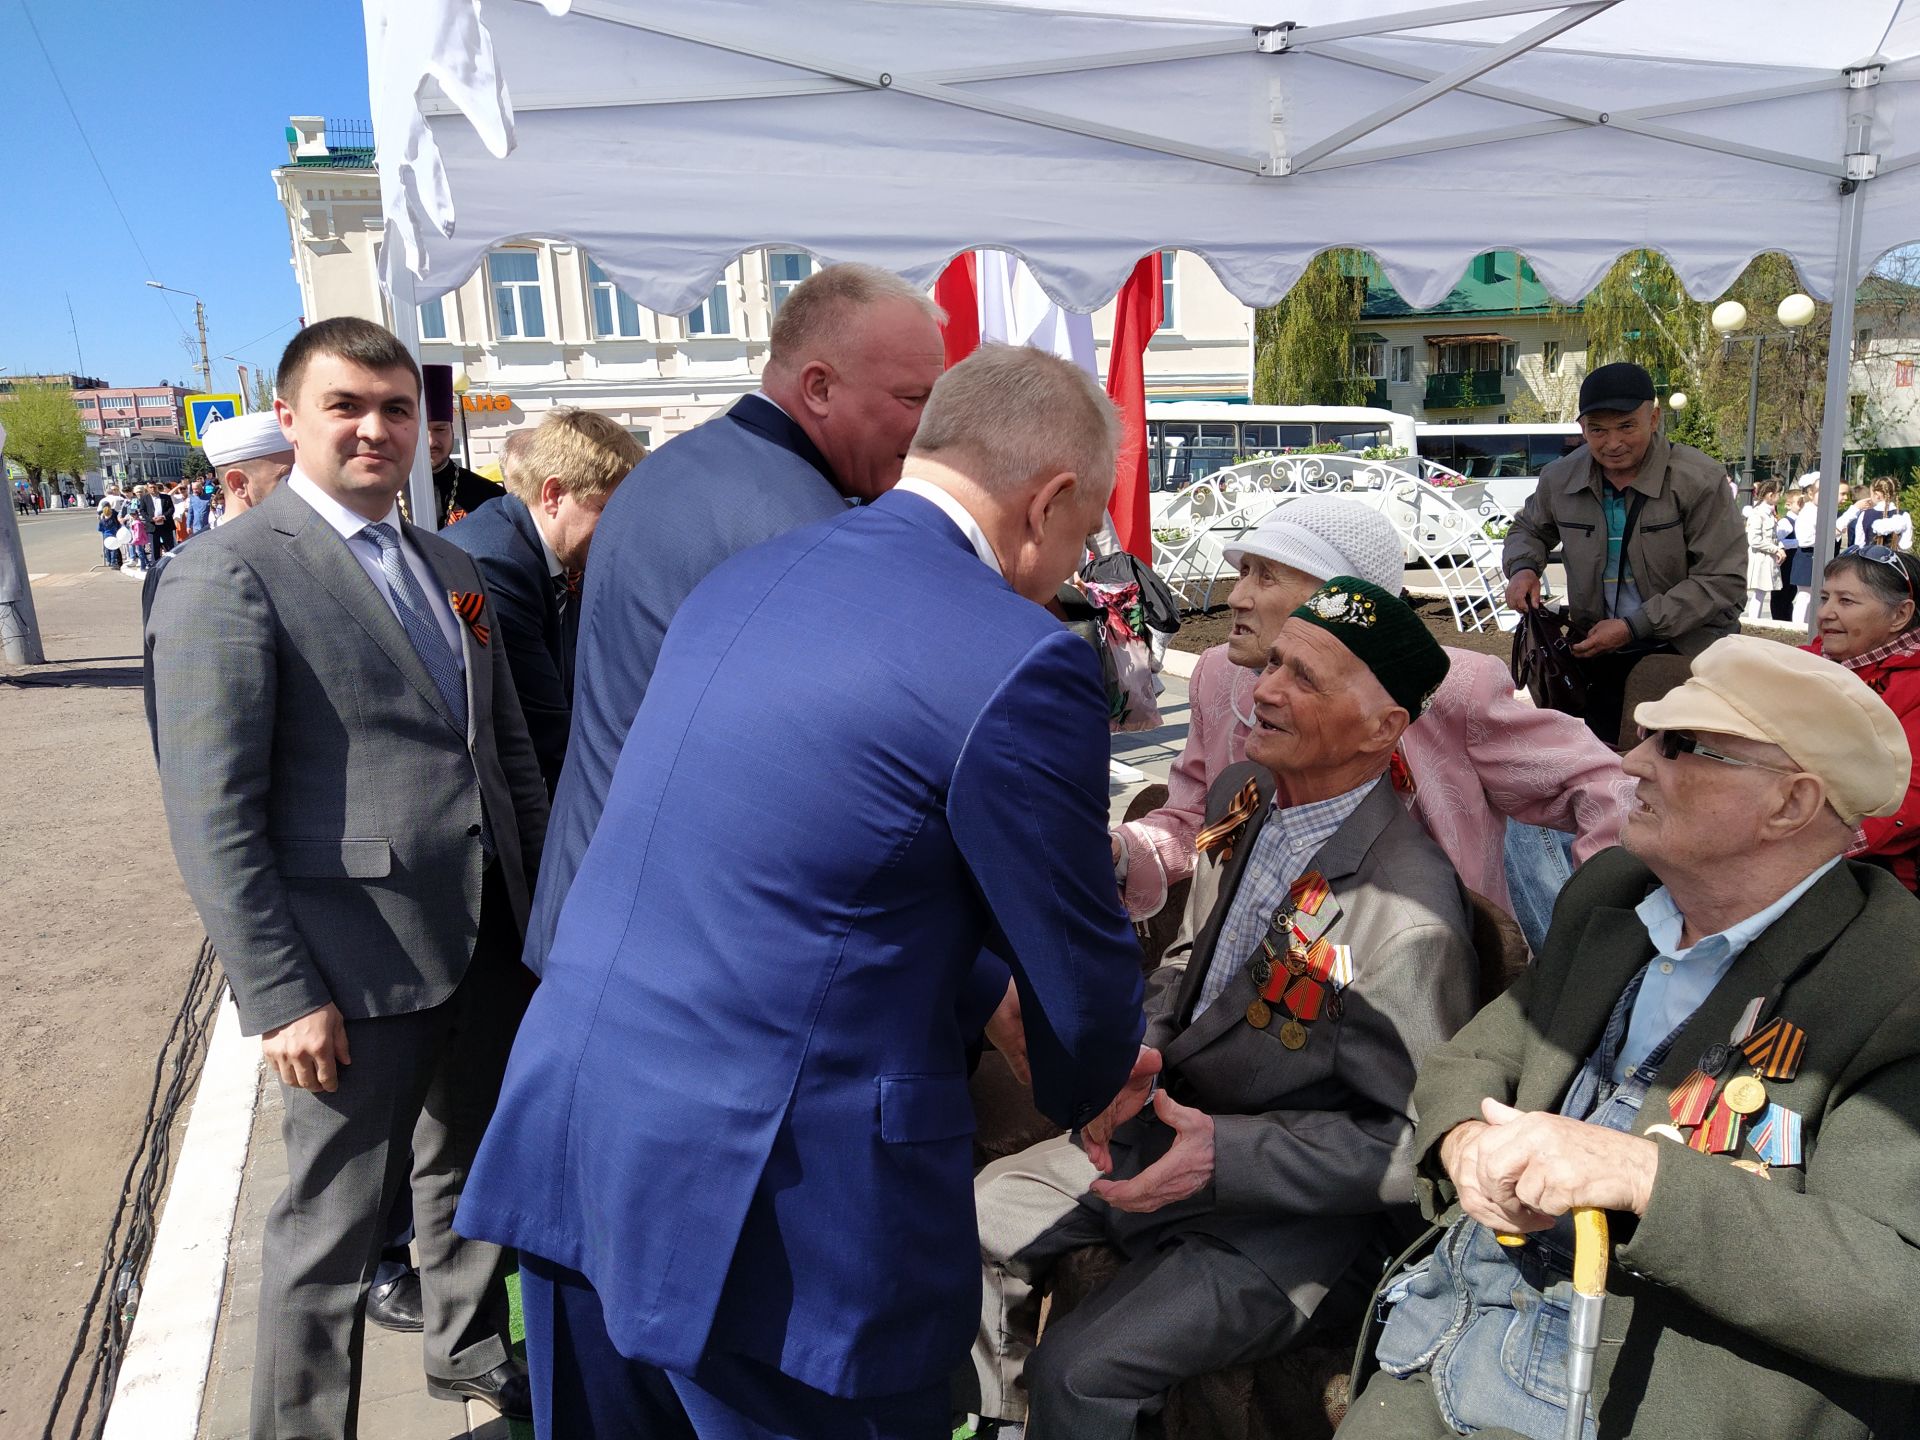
(1384, 635)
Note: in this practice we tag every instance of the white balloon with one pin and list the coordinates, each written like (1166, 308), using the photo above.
(1677, 400)
(1729, 315)
(120, 539)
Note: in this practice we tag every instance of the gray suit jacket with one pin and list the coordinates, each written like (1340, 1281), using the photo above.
(1323, 1134)
(325, 811)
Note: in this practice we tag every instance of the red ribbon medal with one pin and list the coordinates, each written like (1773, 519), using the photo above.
(1690, 1099)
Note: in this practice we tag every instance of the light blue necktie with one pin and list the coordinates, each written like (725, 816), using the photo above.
(417, 620)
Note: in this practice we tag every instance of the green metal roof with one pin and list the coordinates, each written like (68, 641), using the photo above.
(1496, 283)
(347, 157)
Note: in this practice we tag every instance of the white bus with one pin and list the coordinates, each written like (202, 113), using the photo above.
(1187, 440)
(1490, 452)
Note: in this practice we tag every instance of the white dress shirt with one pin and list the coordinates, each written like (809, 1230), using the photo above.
(956, 512)
(349, 526)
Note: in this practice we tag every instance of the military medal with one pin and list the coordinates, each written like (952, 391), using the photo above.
(1776, 1050)
(1665, 1132)
(1690, 1099)
(1719, 1134)
(1714, 1059)
(1336, 1007)
(1293, 1035)
(1304, 998)
(1261, 967)
(1753, 1167)
(1749, 1017)
(1259, 1014)
(1745, 1095)
(1310, 892)
(1297, 959)
(1776, 1136)
(470, 605)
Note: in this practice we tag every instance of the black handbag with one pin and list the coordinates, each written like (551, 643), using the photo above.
(1544, 664)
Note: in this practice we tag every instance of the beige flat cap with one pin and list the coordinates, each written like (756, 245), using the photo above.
(1818, 711)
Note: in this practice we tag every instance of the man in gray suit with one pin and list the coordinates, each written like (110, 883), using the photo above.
(357, 812)
(1325, 949)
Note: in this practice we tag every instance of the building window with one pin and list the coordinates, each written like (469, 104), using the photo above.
(1403, 364)
(1474, 356)
(786, 269)
(616, 316)
(517, 310)
(712, 317)
(642, 434)
(433, 320)
(1370, 359)
(1169, 292)
(1509, 357)
(1550, 357)
(1862, 342)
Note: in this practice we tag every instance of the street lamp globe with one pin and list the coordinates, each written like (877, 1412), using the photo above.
(1796, 311)
(1677, 400)
(1729, 316)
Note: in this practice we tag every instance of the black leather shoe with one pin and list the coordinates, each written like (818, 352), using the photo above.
(396, 1305)
(505, 1388)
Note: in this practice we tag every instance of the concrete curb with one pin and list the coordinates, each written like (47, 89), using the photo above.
(163, 1376)
(1180, 663)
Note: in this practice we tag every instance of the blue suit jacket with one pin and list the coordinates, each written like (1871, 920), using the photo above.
(740, 478)
(534, 625)
(739, 1101)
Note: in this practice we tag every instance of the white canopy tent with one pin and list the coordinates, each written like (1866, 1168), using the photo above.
(667, 136)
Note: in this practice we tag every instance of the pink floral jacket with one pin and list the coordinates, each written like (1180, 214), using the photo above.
(1478, 756)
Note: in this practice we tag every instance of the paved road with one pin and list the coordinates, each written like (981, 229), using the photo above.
(60, 542)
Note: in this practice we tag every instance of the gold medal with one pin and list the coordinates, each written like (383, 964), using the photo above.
(1293, 1034)
(1753, 1167)
(1745, 1096)
(1296, 959)
(1259, 1014)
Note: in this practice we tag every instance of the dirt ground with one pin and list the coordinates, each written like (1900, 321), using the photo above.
(97, 939)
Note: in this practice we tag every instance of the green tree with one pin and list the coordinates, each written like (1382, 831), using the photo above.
(262, 390)
(44, 434)
(1303, 346)
(195, 466)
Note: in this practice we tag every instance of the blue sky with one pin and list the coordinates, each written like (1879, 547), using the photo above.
(186, 106)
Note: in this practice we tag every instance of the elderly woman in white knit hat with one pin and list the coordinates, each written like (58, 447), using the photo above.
(1478, 757)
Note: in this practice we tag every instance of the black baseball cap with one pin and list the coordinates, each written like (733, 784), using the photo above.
(1619, 386)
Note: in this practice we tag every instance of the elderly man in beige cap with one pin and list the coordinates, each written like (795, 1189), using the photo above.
(1720, 1044)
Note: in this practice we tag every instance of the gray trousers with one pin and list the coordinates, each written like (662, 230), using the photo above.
(423, 1084)
(1185, 1305)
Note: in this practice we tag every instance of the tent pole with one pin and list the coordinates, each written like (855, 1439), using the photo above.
(1834, 418)
(404, 307)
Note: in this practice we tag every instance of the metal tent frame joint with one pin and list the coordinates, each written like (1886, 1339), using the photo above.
(1273, 39)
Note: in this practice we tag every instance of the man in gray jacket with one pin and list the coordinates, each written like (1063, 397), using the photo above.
(1654, 551)
(357, 813)
(1325, 949)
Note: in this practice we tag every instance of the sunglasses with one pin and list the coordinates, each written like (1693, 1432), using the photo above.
(1675, 743)
(1883, 555)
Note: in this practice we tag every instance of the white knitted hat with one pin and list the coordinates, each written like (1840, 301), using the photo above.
(1328, 535)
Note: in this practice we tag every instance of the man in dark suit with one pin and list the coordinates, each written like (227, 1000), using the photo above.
(531, 546)
(1720, 1044)
(356, 810)
(853, 355)
(734, 1145)
(1325, 949)
(456, 489)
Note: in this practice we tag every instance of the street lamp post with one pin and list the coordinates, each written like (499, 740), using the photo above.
(200, 319)
(1794, 313)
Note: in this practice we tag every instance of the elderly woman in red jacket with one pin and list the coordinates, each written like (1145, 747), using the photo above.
(1869, 623)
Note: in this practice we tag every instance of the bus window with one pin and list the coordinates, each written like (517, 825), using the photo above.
(1169, 466)
(1543, 450)
(1218, 446)
(1259, 439)
(1352, 434)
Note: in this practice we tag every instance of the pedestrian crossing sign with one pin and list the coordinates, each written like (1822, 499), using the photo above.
(203, 410)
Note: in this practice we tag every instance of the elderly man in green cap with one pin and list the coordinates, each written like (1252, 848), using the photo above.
(1263, 1150)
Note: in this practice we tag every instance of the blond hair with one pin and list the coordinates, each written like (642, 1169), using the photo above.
(814, 319)
(587, 453)
(1009, 412)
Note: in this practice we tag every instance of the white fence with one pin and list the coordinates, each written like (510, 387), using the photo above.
(1442, 519)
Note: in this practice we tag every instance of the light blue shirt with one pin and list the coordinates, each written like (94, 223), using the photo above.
(1282, 851)
(1679, 981)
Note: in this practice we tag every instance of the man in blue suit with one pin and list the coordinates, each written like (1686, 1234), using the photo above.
(853, 354)
(531, 546)
(734, 1147)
